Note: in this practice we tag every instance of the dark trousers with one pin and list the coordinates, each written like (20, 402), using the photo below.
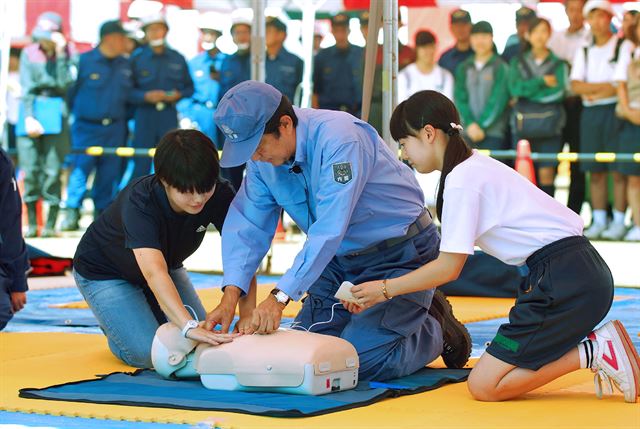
(571, 135)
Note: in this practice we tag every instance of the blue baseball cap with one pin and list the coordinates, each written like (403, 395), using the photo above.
(242, 115)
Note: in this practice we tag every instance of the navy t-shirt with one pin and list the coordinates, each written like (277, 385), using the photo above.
(141, 217)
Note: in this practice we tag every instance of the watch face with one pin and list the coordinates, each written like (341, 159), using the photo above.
(192, 324)
(282, 297)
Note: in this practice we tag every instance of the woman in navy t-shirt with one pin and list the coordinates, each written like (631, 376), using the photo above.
(128, 265)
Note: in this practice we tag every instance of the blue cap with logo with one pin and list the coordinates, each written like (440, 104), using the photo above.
(242, 115)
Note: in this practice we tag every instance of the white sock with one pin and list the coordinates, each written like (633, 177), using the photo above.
(599, 217)
(618, 217)
(586, 351)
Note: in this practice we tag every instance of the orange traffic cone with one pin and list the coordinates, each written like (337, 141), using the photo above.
(524, 163)
(280, 234)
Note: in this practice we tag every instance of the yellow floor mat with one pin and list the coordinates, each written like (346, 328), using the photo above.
(466, 309)
(44, 359)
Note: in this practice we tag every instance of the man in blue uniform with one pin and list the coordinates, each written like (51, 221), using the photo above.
(197, 111)
(161, 78)
(461, 30)
(516, 42)
(364, 216)
(283, 70)
(236, 68)
(337, 72)
(14, 261)
(99, 103)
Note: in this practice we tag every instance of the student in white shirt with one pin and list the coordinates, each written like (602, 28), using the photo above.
(569, 290)
(627, 75)
(592, 79)
(424, 73)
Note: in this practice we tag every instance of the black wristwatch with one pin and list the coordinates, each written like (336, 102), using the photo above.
(280, 296)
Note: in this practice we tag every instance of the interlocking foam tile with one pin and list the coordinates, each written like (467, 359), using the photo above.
(467, 309)
(39, 360)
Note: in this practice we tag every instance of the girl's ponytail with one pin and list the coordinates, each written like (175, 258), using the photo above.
(432, 108)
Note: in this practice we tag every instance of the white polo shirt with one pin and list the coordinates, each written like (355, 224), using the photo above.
(412, 80)
(490, 205)
(565, 44)
(598, 69)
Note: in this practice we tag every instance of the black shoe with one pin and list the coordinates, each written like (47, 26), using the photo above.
(457, 341)
(71, 220)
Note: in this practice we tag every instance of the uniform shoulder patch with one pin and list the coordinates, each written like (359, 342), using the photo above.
(342, 172)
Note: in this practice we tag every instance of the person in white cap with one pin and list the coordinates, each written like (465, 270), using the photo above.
(160, 79)
(592, 77)
(236, 68)
(47, 70)
(197, 111)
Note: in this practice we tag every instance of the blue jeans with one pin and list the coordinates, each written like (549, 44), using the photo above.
(129, 314)
(394, 338)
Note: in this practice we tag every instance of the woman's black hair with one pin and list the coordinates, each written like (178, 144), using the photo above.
(432, 108)
(187, 160)
(526, 46)
(285, 108)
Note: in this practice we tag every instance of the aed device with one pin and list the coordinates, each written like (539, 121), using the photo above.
(287, 361)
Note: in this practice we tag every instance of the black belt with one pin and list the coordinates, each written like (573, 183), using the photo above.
(423, 221)
(104, 121)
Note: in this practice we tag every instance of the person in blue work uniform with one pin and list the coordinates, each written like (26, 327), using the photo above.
(236, 68)
(337, 72)
(14, 261)
(517, 43)
(364, 216)
(460, 26)
(197, 112)
(98, 101)
(283, 70)
(160, 79)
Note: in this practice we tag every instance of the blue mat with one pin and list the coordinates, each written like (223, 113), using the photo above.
(144, 388)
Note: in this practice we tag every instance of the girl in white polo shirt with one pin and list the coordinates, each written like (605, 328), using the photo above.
(569, 290)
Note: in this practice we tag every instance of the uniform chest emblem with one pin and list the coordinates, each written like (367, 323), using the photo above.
(342, 172)
(201, 228)
(145, 73)
(94, 76)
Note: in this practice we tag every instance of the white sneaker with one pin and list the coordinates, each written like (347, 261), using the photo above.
(616, 361)
(633, 234)
(595, 231)
(615, 232)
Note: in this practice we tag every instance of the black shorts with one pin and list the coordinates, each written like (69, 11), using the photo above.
(629, 142)
(569, 291)
(599, 129)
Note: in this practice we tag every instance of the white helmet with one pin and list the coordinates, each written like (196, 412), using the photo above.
(156, 18)
(211, 21)
(242, 16)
